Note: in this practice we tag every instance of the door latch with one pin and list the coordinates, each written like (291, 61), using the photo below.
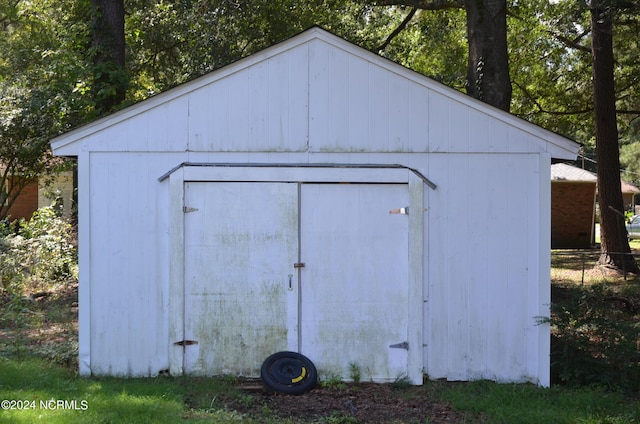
(401, 211)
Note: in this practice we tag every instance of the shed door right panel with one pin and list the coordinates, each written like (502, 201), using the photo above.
(355, 279)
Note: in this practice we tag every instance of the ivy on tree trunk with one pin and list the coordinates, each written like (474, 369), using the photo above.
(488, 62)
(108, 42)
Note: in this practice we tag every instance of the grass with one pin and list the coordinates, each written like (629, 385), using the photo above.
(39, 374)
(40, 388)
(35, 381)
(171, 400)
(524, 404)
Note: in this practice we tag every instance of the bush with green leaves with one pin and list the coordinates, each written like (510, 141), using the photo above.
(36, 255)
(595, 337)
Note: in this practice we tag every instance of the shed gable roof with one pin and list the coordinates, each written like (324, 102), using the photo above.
(314, 92)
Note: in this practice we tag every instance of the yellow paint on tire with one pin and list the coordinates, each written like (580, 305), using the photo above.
(299, 378)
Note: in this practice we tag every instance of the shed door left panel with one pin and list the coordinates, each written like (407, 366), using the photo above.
(241, 242)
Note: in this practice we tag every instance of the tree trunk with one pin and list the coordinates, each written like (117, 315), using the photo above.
(488, 63)
(614, 246)
(110, 78)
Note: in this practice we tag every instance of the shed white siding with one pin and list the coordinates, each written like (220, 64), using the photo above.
(483, 261)
(491, 280)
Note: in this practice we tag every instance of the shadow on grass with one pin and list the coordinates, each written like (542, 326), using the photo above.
(575, 260)
(57, 395)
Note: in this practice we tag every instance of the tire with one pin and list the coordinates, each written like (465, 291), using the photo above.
(288, 372)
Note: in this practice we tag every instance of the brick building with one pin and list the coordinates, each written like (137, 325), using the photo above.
(42, 193)
(573, 195)
(26, 203)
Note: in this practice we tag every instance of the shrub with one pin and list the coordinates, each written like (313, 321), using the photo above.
(595, 339)
(36, 254)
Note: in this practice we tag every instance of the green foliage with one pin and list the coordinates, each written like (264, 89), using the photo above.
(401, 381)
(550, 60)
(173, 42)
(627, 26)
(354, 372)
(338, 417)
(551, 75)
(595, 339)
(246, 400)
(35, 255)
(334, 382)
(628, 215)
(630, 150)
(434, 44)
(41, 48)
(39, 255)
(526, 403)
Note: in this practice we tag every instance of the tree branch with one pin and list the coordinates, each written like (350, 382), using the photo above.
(550, 112)
(399, 29)
(575, 42)
(541, 109)
(422, 4)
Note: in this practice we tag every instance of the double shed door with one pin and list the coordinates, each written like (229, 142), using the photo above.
(315, 268)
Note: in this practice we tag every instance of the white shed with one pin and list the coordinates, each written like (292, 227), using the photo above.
(315, 197)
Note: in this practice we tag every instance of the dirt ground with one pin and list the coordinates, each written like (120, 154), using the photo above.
(347, 403)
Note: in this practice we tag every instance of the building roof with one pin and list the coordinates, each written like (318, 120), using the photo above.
(629, 188)
(565, 172)
(569, 173)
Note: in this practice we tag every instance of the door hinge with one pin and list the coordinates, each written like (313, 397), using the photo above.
(186, 209)
(403, 345)
(298, 265)
(185, 342)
